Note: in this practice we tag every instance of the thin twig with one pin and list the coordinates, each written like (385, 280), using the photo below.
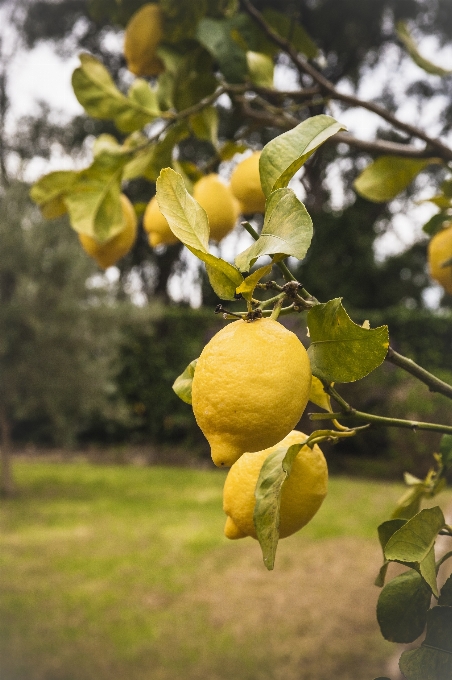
(408, 365)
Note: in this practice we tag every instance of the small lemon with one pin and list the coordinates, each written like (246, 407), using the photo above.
(301, 496)
(250, 388)
(439, 251)
(108, 253)
(217, 200)
(157, 225)
(142, 37)
(246, 185)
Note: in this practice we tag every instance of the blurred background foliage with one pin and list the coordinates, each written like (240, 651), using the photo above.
(81, 363)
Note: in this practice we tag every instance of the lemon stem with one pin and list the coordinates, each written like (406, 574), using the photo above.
(277, 309)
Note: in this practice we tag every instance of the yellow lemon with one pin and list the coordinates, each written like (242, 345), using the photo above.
(222, 210)
(301, 496)
(108, 253)
(142, 37)
(246, 185)
(250, 388)
(439, 251)
(157, 225)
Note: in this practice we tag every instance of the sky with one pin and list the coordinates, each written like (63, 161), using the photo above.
(40, 74)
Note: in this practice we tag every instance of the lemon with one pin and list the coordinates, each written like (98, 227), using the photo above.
(246, 185)
(157, 225)
(108, 253)
(439, 251)
(217, 200)
(250, 388)
(142, 37)
(301, 496)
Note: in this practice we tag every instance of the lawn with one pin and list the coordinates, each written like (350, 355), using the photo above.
(122, 572)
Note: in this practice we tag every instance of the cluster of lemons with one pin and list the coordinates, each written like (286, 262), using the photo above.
(222, 202)
(247, 412)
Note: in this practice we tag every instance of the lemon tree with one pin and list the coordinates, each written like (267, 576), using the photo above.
(254, 379)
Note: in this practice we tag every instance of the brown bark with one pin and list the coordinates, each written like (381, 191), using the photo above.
(7, 486)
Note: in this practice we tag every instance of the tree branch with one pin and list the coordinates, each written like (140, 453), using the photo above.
(303, 66)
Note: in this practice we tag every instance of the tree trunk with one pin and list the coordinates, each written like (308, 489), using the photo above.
(7, 486)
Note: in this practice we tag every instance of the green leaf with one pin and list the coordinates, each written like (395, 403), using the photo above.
(445, 598)
(205, 124)
(247, 287)
(284, 155)
(93, 200)
(318, 396)
(229, 149)
(187, 220)
(436, 223)
(223, 276)
(445, 449)
(190, 75)
(427, 569)
(287, 230)
(216, 36)
(433, 659)
(410, 503)
(274, 472)
(181, 17)
(290, 29)
(340, 350)
(413, 541)
(425, 64)
(387, 529)
(387, 176)
(402, 607)
(49, 192)
(183, 384)
(99, 96)
(260, 69)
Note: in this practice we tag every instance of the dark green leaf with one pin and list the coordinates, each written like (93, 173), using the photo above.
(386, 177)
(181, 17)
(433, 659)
(413, 541)
(287, 230)
(274, 472)
(340, 350)
(49, 192)
(290, 29)
(205, 124)
(427, 569)
(425, 64)
(435, 223)
(99, 96)
(216, 36)
(182, 385)
(284, 155)
(445, 598)
(402, 607)
(381, 576)
(445, 449)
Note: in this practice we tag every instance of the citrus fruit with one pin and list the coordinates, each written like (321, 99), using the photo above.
(142, 37)
(251, 385)
(157, 225)
(108, 253)
(439, 251)
(246, 185)
(301, 496)
(217, 200)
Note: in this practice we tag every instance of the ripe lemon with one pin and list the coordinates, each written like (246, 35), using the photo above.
(142, 37)
(107, 254)
(157, 225)
(217, 200)
(251, 385)
(439, 251)
(301, 496)
(246, 185)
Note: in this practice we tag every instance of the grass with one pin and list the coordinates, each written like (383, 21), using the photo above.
(123, 572)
